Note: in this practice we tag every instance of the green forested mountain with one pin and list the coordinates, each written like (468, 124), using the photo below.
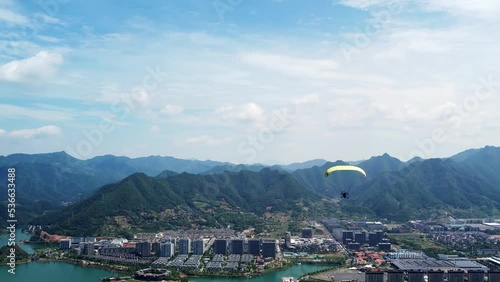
(465, 185)
(239, 199)
(375, 166)
(46, 181)
(427, 189)
(482, 164)
(56, 177)
(314, 180)
(331, 186)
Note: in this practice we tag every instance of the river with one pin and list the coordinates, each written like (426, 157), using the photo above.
(294, 271)
(19, 236)
(63, 272)
(47, 271)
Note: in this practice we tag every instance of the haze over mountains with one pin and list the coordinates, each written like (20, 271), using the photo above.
(466, 184)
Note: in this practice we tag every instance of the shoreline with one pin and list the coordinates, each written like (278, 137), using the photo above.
(119, 269)
(115, 268)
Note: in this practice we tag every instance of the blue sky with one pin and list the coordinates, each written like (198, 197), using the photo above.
(249, 81)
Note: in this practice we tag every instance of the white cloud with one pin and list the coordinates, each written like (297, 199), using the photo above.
(324, 70)
(207, 140)
(172, 110)
(483, 8)
(486, 9)
(306, 99)
(2, 132)
(133, 98)
(154, 129)
(48, 130)
(49, 39)
(37, 68)
(249, 112)
(39, 112)
(12, 18)
(289, 65)
(47, 19)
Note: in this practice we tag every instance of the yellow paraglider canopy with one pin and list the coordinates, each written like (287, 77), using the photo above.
(344, 167)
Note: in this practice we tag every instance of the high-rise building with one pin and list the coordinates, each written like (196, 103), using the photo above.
(65, 244)
(493, 276)
(170, 240)
(88, 249)
(167, 250)
(143, 249)
(254, 247)
(288, 239)
(155, 248)
(415, 276)
(184, 246)
(374, 276)
(220, 246)
(456, 276)
(269, 248)
(373, 239)
(198, 247)
(353, 246)
(307, 233)
(380, 234)
(237, 246)
(347, 234)
(435, 276)
(395, 276)
(360, 237)
(384, 246)
(476, 276)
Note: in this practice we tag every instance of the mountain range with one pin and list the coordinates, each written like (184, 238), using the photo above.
(239, 199)
(466, 184)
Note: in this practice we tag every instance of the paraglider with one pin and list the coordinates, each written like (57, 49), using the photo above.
(344, 194)
(344, 167)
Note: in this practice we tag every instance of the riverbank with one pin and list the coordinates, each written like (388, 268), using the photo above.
(293, 271)
(91, 264)
(53, 272)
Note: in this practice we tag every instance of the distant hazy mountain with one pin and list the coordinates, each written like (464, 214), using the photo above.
(414, 160)
(258, 167)
(166, 174)
(234, 168)
(188, 201)
(303, 165)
